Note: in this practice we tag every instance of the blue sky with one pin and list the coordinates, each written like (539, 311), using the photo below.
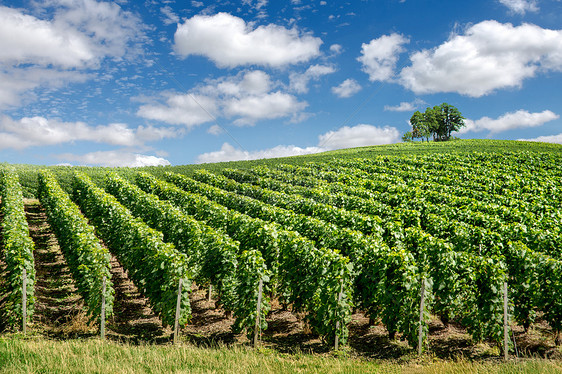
(132, 83)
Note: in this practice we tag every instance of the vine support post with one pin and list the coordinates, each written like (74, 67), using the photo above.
(209, 298)
(505, 324)
(420, 331)
(24, 300)
(102, 316)
(336, 340)
(258, 313)
(178, 310)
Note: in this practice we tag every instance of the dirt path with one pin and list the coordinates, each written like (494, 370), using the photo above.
(133, 319)
(58, 307)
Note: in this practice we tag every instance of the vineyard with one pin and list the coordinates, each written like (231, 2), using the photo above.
(468, 238)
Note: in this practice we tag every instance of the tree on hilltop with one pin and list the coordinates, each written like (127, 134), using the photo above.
(437, 122)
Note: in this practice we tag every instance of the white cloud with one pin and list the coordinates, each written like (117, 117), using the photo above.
(229, 153)
(336, 49)
(358, 136)
(405, 106)
(268, 106)
(379, 57)
(509, 121)
(111, 31)
(229, 41)
(247, 98)
(345, 137)
(347, 88)
(17, 84)
(39, 131)
(181, 109)
(299, 82)
(114, 159)
(256, 4)
(25, 39)
(521, 6)
(489, 56)
(547, 139)
(215, 130)
(255, 82)
(169, 16)
(71, 40)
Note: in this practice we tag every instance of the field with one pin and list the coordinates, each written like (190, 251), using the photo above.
(400, 258)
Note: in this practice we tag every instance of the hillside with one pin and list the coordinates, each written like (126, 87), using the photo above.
(29, 180)
(385, 250)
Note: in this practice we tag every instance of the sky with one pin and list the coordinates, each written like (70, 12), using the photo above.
(138, 83)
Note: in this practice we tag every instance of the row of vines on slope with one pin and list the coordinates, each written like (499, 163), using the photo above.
(17, 251)
(529, 271)
(214, 257)
(370, 257)
(154, 266)
(88, 261)
(307, 277)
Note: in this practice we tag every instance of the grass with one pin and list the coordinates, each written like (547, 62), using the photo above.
(39, 355)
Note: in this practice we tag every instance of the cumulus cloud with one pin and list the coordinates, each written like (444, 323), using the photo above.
(229, 42)
(347, 88)
(489, 56)
(345, 137)
(359, 136)
(114, 159)
(336, 49)
(404, 106)
(379, 56)
(509, 121)
(65, 43)
(247, 98)
(113, 32)
(215, 130)
(230, 153)
(521, 6)
(546, 138)
(299, 82)
(181, 109)
(250, 109)
(39, 131)
(26, 39)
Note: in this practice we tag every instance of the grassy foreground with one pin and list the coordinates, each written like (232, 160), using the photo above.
(40, 355)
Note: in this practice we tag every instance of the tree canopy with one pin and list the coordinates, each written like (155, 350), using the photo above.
(437, 122)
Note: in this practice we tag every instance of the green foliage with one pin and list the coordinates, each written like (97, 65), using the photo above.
(439, 122)
(88, 261)
(252, 268)
(409, 193)
(153, 265)
(549, 274)
(17, 251)
(461, 216)
(299, 269)
(211, 254)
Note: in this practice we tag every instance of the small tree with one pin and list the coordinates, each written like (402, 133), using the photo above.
(423, 124)
(449, 119)
(407, 137)
(438, 122)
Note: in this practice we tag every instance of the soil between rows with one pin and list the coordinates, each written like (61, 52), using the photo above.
(59, 314)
